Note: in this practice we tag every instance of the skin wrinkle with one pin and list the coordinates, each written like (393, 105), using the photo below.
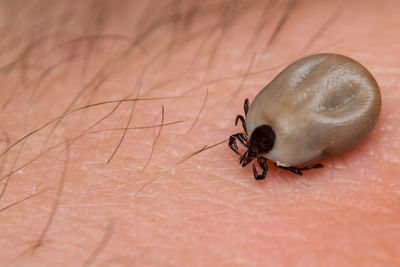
(168, 236)
(242, 186)
(284, 222)
(185, 158)
(224, 202)
(219, 201)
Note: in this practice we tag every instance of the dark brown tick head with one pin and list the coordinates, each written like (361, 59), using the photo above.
(262, 139)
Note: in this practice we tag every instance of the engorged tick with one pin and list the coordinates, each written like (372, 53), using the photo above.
(317, 107)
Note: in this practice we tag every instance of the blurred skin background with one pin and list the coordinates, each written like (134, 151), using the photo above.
(90, 176)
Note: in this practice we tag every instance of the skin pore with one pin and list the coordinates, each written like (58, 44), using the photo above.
(114, 120)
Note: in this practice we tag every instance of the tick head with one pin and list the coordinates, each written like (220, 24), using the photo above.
(262, 139)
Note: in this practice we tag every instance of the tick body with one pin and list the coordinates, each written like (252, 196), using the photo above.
(317, 107)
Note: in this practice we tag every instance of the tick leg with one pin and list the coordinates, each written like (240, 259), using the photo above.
(247, 157)
(263, 164)
(241, 118)
(242, 138)
(314, 166)
(292, 169)
(298, 171)
(233, 145)
(243, 157)
(246, 106)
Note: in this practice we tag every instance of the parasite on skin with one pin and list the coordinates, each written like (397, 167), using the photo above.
(317, 107)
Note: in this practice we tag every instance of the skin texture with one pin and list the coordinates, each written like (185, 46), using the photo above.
(206, 210)
(319, 106)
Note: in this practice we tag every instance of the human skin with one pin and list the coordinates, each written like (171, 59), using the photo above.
(185, 208)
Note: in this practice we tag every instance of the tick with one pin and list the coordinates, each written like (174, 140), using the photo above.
(317, 107)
